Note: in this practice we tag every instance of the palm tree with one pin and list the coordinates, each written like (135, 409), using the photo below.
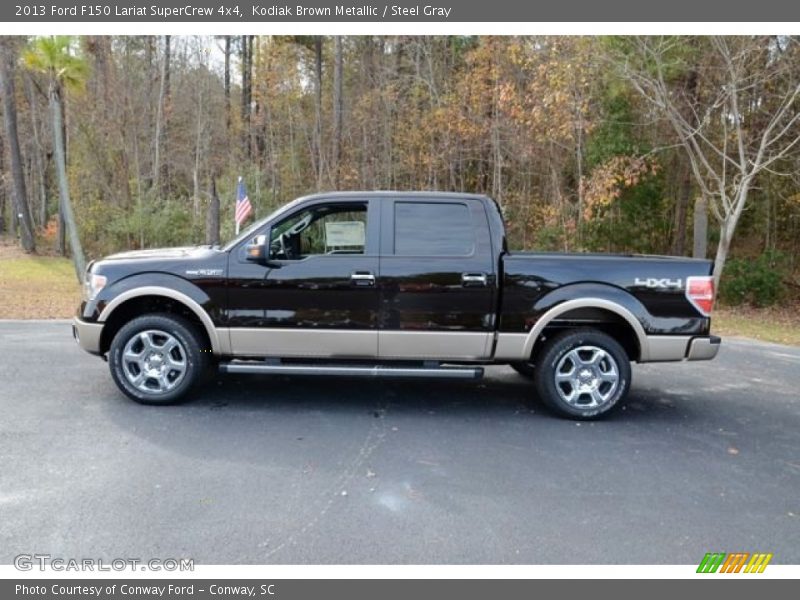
(53, 57)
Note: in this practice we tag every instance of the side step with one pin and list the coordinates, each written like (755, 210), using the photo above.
(277, 368)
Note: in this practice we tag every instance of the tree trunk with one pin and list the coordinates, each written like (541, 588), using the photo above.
(61, 239)
(37, 155)
(681, 209)
(318, 108)
(148, 45)
(700, 245)
(159, 117)
(247, 74)
(227, 82)
(685, 193)
(10, 117)
(78, 258)
(338, 109)
(212, 217)
(725, 237)
(163, 98)
(243, 62)
(2, 187)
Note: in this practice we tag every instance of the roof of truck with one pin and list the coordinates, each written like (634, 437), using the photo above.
(391, 194)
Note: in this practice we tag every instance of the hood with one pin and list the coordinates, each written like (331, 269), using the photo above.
(163, 253)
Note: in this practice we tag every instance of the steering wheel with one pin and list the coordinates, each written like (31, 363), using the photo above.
(282, 245)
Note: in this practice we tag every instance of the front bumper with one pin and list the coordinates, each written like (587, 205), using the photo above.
(87, 335)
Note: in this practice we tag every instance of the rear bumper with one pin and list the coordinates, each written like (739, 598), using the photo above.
(703, 348)
(87, 335)
(670, 348)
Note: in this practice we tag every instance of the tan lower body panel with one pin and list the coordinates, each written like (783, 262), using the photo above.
(510, 346)
(665, 348)
(655, 348)
(435, 345)
(343, 343)
(408, 345)
(87, 334)
(312, 343)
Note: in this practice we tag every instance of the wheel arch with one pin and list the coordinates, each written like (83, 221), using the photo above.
(147, 299)
(571, 313)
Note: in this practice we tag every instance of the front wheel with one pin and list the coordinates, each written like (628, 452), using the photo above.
(582, 374)
(526, 369)
(156, 359)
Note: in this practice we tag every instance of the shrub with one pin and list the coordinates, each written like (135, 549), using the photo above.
(758, 282)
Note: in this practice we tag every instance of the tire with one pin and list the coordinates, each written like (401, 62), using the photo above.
(526, 369)
(157, 358)
(582, 374)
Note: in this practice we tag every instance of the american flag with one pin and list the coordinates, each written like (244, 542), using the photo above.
(243, 207)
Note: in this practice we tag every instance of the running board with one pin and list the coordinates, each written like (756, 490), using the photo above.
(351, 370)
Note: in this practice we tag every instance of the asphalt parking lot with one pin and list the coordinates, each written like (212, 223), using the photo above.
(704, 457)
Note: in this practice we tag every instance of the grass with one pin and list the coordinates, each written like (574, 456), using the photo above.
(36, 287)
(777, 324)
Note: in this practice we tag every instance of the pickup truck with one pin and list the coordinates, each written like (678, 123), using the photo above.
(393, 284)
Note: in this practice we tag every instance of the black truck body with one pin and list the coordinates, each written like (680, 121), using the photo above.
(394, 283)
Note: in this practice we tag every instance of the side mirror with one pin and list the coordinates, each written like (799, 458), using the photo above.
(257, 250)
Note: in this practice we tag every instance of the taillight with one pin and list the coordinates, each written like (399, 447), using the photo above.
(700, 292)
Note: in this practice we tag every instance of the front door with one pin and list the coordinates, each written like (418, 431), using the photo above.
(437, 280)
(319, 296)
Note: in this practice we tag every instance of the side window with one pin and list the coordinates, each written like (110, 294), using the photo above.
(321, 229)
(433, 229)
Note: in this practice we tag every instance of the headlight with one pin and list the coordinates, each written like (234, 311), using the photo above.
(93, 284)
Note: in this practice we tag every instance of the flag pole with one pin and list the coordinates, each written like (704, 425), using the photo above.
(234, 206)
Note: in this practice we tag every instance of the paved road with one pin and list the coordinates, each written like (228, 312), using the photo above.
(705, 456)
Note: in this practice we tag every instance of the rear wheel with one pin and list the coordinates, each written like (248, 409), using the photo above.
(156, 359)
(582, 374)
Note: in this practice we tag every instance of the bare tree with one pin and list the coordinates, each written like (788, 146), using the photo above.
(7, 87)
(318, 109)
(227, 83)
(748, 122)
(2, 186)
(338, 109)
(38, 151)
(212, 216)
(163, 95)
(246, 56)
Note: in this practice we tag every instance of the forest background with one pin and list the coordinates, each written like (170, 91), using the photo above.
(684, 145)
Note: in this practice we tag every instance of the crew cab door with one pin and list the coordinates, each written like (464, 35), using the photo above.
(318, 295)
(437, 280)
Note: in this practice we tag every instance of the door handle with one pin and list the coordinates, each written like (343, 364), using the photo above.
(473, 279)
(362, 278)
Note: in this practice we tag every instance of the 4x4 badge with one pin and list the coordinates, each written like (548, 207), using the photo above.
(653, 282)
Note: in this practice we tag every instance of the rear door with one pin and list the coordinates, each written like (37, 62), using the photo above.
(436, 279)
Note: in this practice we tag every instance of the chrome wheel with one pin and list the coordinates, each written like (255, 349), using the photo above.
(154, 361)
(587, 377)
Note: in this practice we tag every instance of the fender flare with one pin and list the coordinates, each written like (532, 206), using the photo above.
(618, 309)
(154, 290)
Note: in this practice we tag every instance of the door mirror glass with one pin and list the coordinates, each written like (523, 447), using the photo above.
(256, 250)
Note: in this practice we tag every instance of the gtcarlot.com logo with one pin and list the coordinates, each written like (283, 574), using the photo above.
(42, 562)
(735, 562)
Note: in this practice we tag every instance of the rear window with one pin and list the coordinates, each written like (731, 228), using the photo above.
(433, 229)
